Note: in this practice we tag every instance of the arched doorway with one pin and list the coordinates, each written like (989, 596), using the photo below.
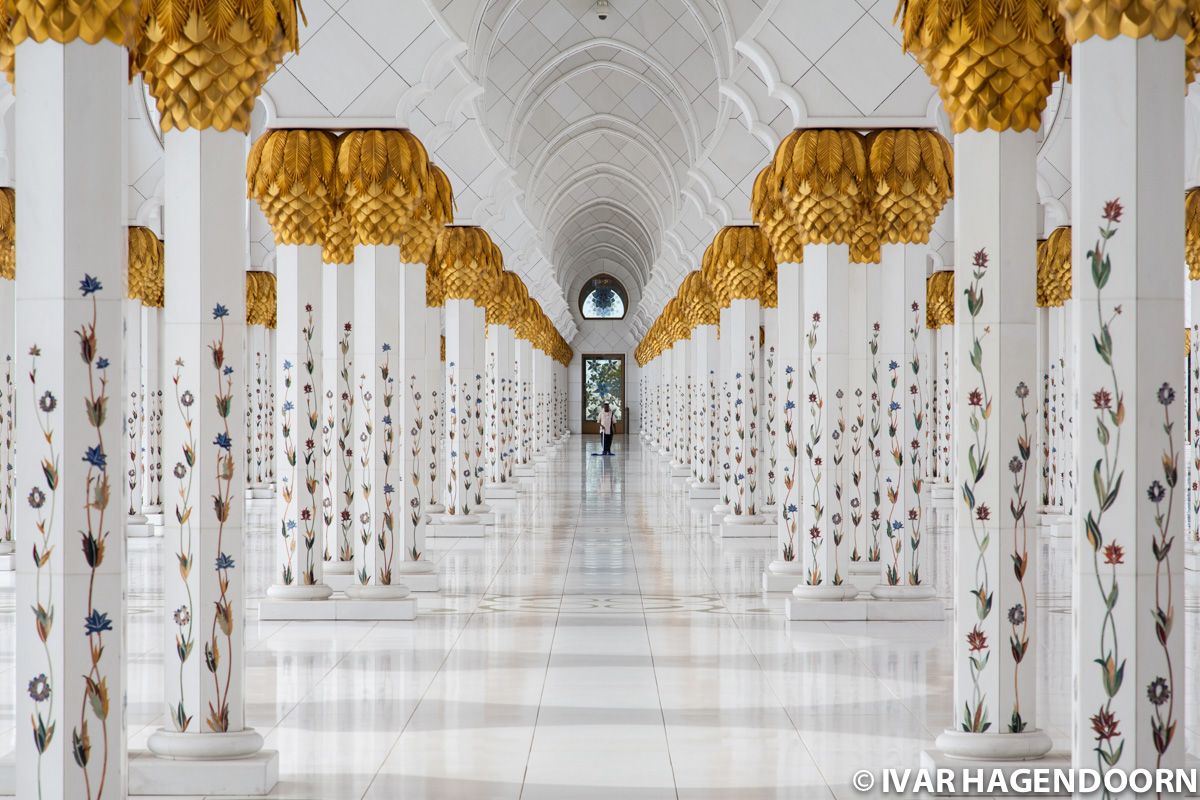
(603, 376)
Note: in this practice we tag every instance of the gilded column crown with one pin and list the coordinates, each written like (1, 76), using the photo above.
(205, 61)
(292, 174)
(1136, 19)
(822, 176)
(741, 256)
(866, 246)
(767, 209)
(435, 210)
(714, 278)
(260, 298)
(677, 328)
(8, 234)
(338, 244)
(1191, 215)
(64, 21)
(993, 63)
(529, 321)
(1054, 268)
(912, 178)
(145, 270)
(701, 306)
(467, 262)
(384, 175)
(770, 287)
(513, 295)
(939, 299)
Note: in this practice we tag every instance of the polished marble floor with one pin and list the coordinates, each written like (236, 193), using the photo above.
(601, 645)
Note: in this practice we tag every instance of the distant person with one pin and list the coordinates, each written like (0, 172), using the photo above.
(605, 419)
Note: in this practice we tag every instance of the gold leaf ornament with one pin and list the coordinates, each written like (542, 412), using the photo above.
(434, 209)
(384, 175)
(700, 307)
(939, 299)
(1191, 217)
(292, 175)
(1054, 268)
(912, 178)
(993, 61)
(739, 263)
(8, 234)
(205, 61)
(822, 176)
(1136, 19)
(338, 245)
(64, 21)
(768, 210)
(260, 298)
(468, 262)
(145, 270)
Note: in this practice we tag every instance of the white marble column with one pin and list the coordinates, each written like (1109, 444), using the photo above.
(705, 367)
(995, 436)
(435, 380)
(1127, 256)
(204, 337)
(823, 423)
(70, 618)
(524, 465)
(681, 409)
(541, 418)
(152, 421)
(133, 407)
(337, 347)
(724, 418)
(299, 394)
(902, 334)
(1192, 299)
(260, 413)
(501, 356)
(380, 299)
(464, 375)
(789, 382)
(8, 431)
(478, 413)
(742, 373)
(769, 412)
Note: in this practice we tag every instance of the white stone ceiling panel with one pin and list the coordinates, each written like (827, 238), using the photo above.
(386, 25)
(865, 64)
(336, 65)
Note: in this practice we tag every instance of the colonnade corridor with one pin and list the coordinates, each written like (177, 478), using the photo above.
(602, 644)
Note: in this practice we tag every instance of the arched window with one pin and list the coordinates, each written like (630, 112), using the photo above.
(603, 297)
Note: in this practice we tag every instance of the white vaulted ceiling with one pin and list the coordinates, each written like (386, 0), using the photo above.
(587, 146)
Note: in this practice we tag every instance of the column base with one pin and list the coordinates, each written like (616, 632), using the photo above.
(1057, 524)
(164, 777)
(501, 491)
(934, 760)
(260, 493)
(156, 520)
(7, 547)
(782, 576)
(338, 568)
(8, 562)
(437, 520)
(771, 513)
(523, 470)
(204, 747)
(1191, 557)
(138, 528)
(343, 607)
(1006, 747)
(458, 530)
(435, 508)
(707, 491)
(316, 591)
(680, 470)
(743, 527)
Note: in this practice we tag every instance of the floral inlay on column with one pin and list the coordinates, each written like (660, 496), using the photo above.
(893, 525)
(874, 452)
(366, 460)
(184, 471)
(979, 401)
(345, 443)
(42, 687)
(385, 539)
(1018, 620)
(416, 447)
(815, 405)
(218, 710)
(309, 515)
(856, 476)
(287, 489)
(791, 470)
(916, 393)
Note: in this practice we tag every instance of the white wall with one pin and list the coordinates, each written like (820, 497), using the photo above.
(600, 336)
